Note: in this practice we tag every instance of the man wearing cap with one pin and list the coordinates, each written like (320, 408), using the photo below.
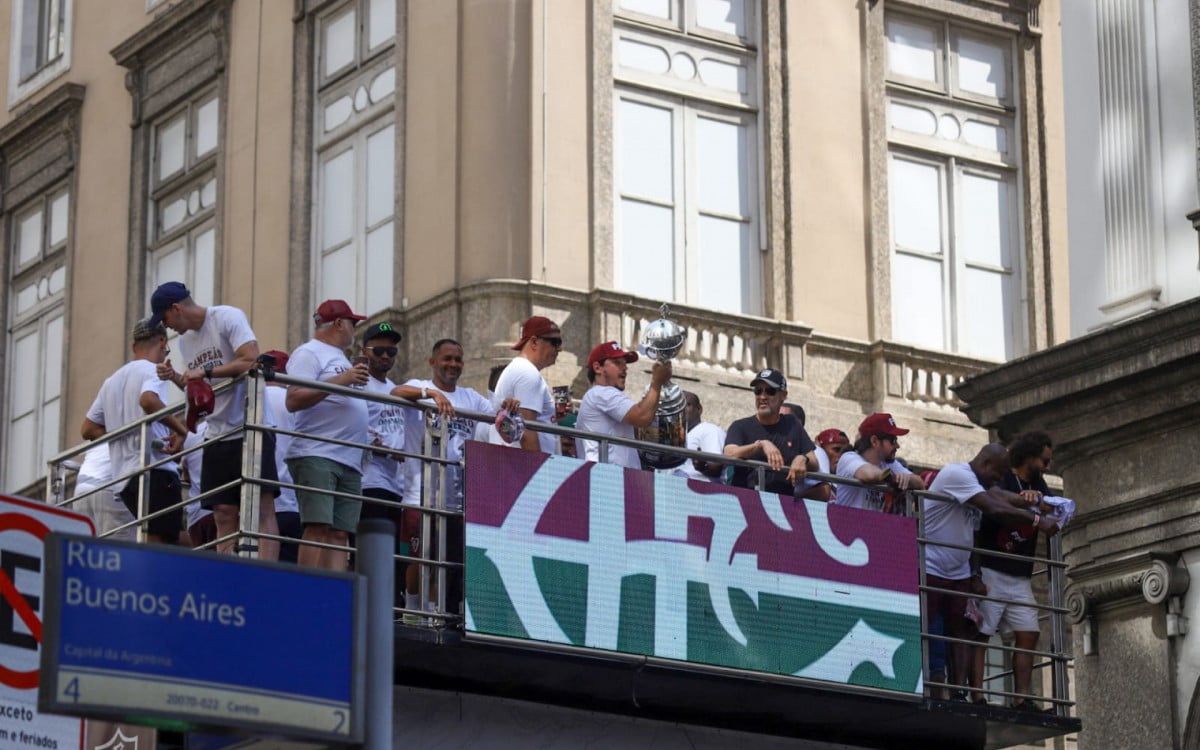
(777, 439)
(538, 345)
(129, 394)
(606, 410)
(383, 473)
(316, 465)
(873, 461)
(831, 444)
(702, 436)
(217, 343)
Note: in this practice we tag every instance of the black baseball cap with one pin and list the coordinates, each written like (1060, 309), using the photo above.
(382, 329)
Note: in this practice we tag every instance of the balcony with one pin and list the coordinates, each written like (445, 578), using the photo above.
(593, 587)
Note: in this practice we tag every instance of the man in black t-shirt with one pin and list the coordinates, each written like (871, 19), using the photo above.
(1029, 456)
(777, 439)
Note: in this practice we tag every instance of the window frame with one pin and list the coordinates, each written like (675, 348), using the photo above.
(21, 87)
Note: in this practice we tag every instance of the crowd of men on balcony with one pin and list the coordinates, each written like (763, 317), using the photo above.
(316, 480)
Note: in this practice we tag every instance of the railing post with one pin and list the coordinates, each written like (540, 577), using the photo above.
(252, 445)
(143, 501)
(374, 559)
(1058, 630)
(919, 512)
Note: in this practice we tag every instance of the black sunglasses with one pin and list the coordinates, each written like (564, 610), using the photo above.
(555, 342)
(380, 351)
(760, 390)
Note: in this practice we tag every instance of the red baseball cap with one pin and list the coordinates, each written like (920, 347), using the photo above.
(534, 327)
(335, 309)
(880, 423)
(610, 350)
(281, 360)
(832, 435)
(200, 402)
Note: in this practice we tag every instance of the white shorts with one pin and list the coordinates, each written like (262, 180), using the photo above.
(1020, 618)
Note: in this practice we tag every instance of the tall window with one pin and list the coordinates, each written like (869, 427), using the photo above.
(355, 164)
(953, 187)
(40, 45)
(38, 241)
(685, 153)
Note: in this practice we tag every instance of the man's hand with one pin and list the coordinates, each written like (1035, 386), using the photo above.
(1048, 526)
(174, 443)
(901, 482)
(511, 405)
(773, 456)
(166, 372)
(1032, 497)
(798, 470)
(978, 586)
(660, 374)
(356, 375)
(444, 407)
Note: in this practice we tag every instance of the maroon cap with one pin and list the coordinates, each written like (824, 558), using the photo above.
(832, 435)
(534, 327)
(200, 402)
(610, 350)
(281, 360)
(880, 423)
(335, 309)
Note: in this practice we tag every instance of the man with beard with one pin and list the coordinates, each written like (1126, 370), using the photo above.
(1030, 455)
(777, 439)
(446, 363)
(606, 410)
(538, 345)
(873, 461)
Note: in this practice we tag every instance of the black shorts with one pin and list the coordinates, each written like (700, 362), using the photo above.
(378, 510)
(163, 491)
(221, 462)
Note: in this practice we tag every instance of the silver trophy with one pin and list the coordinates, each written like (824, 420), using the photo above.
(662, 340)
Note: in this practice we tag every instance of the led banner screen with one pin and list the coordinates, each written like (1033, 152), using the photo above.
(598, 556)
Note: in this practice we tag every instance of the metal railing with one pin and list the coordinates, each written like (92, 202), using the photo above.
(436, 507)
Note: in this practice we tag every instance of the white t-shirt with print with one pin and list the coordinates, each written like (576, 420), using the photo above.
(335, 416)
(860, 497)
(706, 437)
(117, 404)
(601, 411)
(386, 422)
(522, 381)
(193, 463)
(952, 522)
(459, 431)
(275, 414)
(224, 331)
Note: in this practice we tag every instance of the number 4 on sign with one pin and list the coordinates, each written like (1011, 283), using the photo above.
(72, 690)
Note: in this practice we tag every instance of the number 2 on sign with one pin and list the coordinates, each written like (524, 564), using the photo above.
(341, 719)
(72, 689)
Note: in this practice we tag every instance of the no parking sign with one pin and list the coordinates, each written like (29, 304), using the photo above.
(24, 525)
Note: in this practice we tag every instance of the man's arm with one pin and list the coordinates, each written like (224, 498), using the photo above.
(999, 508)
(151, 403)
(300, 398)
(642, 413)
(92, 430)
(529, 438)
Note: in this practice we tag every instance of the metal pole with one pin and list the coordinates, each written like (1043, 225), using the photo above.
(252, 445)
(376, 543)
(1058, 630)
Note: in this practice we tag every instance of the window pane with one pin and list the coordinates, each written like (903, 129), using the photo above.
(25, 375)
(339, 42)
(170, 265)
(22, 444)
(381, 169)
(383, 22)
(722, 168)
(986, 135)
(656, 8)
(52, 372)
(647, 265)
(984, 331)
(985, 228)
(917, 311)
(723, 265)
(725, 16)
(982, 67)
(206, 127)
(203, 288)
(916, 206)
(50, 414)
(913, 50)
(379, 268)
(913, 119)
(29, 238)
(27, 297)
(337, 199)
(170, 147)
(645, 151)
(30, 61)
(338, 274)
(58, 219)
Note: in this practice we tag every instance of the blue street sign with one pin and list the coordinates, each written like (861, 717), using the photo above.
(137, 630)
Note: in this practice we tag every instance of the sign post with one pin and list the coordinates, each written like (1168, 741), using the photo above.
(136, 631)
(24, 525)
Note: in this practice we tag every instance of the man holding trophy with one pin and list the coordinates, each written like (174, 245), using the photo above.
(606, 409)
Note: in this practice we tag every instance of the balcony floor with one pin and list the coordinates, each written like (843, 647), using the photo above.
(624, 684)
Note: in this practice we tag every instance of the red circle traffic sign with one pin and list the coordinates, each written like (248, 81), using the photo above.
(16, 600)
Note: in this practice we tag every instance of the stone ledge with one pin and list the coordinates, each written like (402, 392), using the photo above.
(1148, 578)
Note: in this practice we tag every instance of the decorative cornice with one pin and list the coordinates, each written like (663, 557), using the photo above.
(38, 118)
(1150, 577)
(181, 19)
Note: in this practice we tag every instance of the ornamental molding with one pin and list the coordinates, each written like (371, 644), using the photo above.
(1147, 578)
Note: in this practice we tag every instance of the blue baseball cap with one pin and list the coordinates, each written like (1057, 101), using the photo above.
(164, 296)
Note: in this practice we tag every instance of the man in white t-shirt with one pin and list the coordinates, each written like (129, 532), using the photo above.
(539, 343)
(275, 414)
(217, 343)
(702, 436)
(972, 487)
(606, 410)
(321, 466)
(873, 461)
(129, 394)
(831, 445)
(445, 489)
(102, 505)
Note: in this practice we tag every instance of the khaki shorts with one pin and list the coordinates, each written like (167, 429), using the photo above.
(315, 474)
(1017, 616)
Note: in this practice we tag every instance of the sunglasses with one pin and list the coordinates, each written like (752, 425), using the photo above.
(380, 351)
(552, 341)
(760, 390)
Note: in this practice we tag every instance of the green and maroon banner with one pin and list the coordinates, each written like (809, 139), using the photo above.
(598, 556)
